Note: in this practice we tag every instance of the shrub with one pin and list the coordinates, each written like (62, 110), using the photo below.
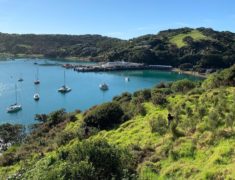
(139, 109)
(183, 85)
(158, 125)
(102, 160)
(158, 98)
(104, 116)
(142, 96)
(12, 133)
(125, 97)
(56, 117)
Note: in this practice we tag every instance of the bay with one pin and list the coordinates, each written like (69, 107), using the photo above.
(85, 87)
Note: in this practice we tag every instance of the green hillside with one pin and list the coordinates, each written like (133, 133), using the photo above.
(194, 34)
(186, 48)
(132, 137)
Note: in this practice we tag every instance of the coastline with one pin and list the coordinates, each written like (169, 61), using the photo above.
(192, 73)
(6, 56)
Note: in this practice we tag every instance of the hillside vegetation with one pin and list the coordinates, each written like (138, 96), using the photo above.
(180, 40)
(194, 49)
(181, 130)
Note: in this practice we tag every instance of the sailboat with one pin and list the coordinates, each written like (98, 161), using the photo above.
(36, 96)
(20, 79)
(64, 88)
(103, 87)
(37, 80)
(14, 107)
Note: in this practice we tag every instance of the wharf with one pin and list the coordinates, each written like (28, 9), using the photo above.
(115, 66)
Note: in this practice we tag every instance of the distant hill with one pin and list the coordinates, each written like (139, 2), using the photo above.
(185, 48)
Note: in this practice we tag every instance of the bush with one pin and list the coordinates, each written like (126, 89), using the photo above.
(104, 116)
(102, 160)
(56, 117)
(12, 133)
(158, 125)
(139, 109)
(183, 85)
(142, 96)
(158, 98)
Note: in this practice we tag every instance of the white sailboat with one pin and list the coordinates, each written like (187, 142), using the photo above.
(14, 107)
(36, 96)
(64, 88)
(37, 80)
(103, 87)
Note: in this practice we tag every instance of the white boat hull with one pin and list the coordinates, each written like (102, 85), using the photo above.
(14, 108)
(64, 89)
(36, 97)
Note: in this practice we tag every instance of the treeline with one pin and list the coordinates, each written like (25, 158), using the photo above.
(216, 50)
(56, 46)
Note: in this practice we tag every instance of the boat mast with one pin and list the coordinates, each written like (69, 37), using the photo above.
(16, 92)
(64, 78)
(37, 74)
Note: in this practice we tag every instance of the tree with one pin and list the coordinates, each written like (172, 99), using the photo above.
(158, 97)
(104, 116)
(183, 85)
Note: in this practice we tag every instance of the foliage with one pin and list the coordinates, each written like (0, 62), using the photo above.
(158, 125)
(104, 116)
(182, 85)
(12, 133)
(198, 49)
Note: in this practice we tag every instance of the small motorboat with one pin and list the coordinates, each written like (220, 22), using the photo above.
(36, 96)
(127, 79)
(103, 87)
(20, 79)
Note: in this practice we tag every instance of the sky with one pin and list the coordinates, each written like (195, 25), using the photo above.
(123, 19)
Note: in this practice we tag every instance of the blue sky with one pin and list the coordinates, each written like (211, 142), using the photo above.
(117, 18)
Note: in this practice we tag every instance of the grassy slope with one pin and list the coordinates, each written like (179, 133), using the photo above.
(178, 39)
(207, 160)
(210, 156)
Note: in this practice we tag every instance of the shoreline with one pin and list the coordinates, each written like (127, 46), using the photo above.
(192, 73)
(87, 59)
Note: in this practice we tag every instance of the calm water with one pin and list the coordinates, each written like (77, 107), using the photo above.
(85, 91)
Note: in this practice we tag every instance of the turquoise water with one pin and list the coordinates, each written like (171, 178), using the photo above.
(85, 87)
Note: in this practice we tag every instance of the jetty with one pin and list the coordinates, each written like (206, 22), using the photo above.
(115, 66)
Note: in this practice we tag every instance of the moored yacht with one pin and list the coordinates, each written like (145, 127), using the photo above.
(36, 96)
(64, 88)
(14, 107)
(37, 80)
(103, 87)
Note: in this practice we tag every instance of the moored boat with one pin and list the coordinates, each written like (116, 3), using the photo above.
(36, 96)
(14, 107)
(64, 88)
(103, 87)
